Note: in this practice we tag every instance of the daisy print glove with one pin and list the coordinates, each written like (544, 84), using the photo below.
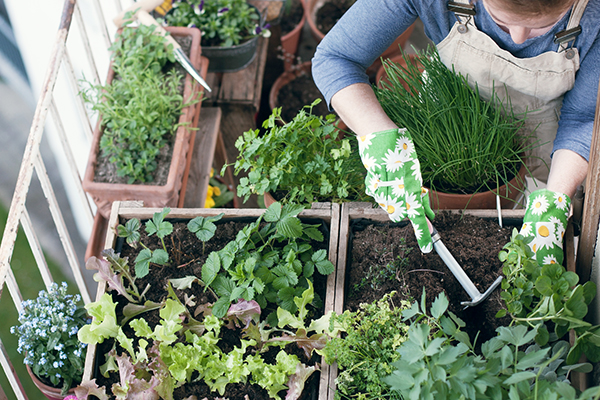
(545, 221)
(394, 180)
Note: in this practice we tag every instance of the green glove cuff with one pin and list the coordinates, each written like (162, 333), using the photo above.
(394, 180)
(545, 221)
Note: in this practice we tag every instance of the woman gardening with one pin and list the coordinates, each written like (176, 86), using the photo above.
(541, 55)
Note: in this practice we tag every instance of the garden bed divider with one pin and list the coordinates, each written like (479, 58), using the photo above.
(328, 212)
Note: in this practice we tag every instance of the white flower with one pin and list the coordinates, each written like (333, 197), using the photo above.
(427, 248)
(393, 161)
(559, 235)
(398, 188)
(550, 259)
(544, 235)
(555, 220)
(412, 205)
(406, 146)
(418, 231)
(416, 168)
(560, 201)
(395, 210)
(526, 230)
(369, 162)
(373, 184)
(364, 142)
(380, 199)
(539, 205)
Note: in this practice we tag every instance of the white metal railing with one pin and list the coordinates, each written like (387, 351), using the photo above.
(59, 110)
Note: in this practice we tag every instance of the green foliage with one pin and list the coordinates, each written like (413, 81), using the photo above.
(140, 108)
(438, 361)
(367, 349)
(269, 262)
(304, 158)
(223, 23)
(536, 296)
(157, 225)
(464, 144)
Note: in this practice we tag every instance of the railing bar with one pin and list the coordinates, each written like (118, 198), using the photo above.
(36, 249)
(118, 5)
(11, 374)
(86, 44)
(85, 120)
(103, 25)
(13, 289)
(31, 151)
(61, 228)
(33, 143)
(71, 161)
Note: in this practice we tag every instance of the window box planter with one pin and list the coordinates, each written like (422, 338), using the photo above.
(167, 194)
(325, 215)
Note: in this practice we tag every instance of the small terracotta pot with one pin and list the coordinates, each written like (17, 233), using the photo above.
(268, 199)
(483, 200)
(104, 194)
(50, 392)
(291, 40)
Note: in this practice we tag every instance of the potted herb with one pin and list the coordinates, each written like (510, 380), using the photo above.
(302, 161)
(230, 30)
(147, 112)
(211, 305)
(465, 145)
(47, 333)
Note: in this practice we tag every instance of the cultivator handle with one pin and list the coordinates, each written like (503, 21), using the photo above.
(144, 5)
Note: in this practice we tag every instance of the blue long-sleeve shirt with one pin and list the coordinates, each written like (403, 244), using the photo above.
(370, 26)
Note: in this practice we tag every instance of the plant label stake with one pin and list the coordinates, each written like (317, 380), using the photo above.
(476, 296)
(143, 17)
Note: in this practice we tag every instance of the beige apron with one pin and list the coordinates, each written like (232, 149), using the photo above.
(536, 85)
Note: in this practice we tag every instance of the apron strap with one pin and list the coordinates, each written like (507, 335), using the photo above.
(566, 38)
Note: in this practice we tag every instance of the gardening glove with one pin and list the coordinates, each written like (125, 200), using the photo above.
(394, 180)
(546, 221)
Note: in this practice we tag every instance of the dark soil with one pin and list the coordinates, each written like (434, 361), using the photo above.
(187, 257)
(474, 243)
(292, 17)
(300, 92)
(106, 171)
(329, 14)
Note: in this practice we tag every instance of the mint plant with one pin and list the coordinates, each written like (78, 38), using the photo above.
(140, 108)
(270, 263)
(305, 159)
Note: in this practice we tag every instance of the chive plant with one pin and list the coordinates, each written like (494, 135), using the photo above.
(465, 144)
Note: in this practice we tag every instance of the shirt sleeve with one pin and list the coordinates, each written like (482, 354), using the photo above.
(365, 31)
(576, 121)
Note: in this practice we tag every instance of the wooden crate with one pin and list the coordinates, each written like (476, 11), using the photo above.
(328, 212)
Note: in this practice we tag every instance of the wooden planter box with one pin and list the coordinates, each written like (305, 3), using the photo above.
(355, 211)
(327, 212)
(104, 194)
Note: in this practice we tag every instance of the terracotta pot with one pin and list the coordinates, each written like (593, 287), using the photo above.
(285, 78)
(483, 200)
(268, 199)
(398, 59)
(50, 392)
(104, 194)
(291, 40)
